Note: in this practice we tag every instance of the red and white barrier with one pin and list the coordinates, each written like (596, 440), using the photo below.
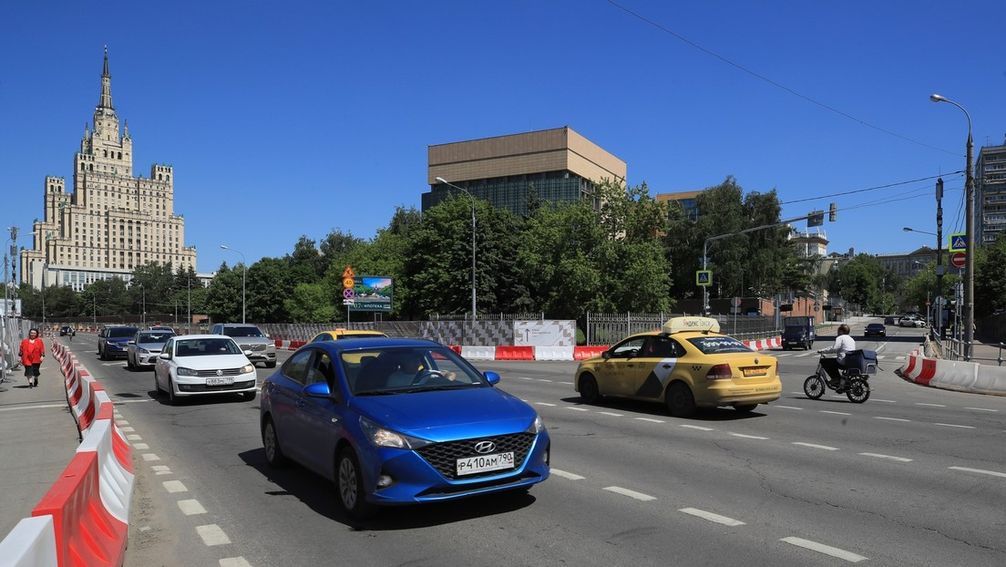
(764, 344)
(954, 375)
(31, 543)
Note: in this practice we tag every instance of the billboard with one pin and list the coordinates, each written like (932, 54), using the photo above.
(369, 293)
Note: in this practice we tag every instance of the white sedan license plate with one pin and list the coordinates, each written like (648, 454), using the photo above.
(219, 381)
(483, 463)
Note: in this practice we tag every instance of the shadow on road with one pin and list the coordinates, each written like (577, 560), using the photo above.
(319, 494)
(658, 409)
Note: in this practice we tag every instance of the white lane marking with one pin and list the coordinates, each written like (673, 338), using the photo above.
(126, 429)
(574, 408)
(838, 397)
(629, 493)
(799, 393)
(173, 486)
(212, 535)
(955, 425)
(979, 471)
(981, 409)
(524, 378)
(930, 405)
(825, 549)
(117, 401)
(122, 422)
(611, 413)
(815, 446)
(133, 437)
(891, 457)
(745, 436)
(890, 418)
(787, 407)
(650, 419)
(234, 562)
(39, 406)
(569, 383)
(835, 412)
(711, 517)
(543, 380)
(885, 401)
(160, 468)
(141, 446)
(544, 404)
(191, 507)
(699, 427)
(566, 474)
(150, 457)
(803, 355)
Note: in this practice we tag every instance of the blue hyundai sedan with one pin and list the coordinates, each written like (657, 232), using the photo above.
(400, 421)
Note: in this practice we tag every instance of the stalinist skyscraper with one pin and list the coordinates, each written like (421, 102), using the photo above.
(112, 222)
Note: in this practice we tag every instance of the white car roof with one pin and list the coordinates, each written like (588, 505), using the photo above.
(201, 337)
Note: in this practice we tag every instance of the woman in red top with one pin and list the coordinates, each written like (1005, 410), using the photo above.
(32, 353)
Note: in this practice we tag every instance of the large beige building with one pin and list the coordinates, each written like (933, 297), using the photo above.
(112, 222)
(553, 165)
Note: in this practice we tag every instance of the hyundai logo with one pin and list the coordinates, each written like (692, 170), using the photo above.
(483, 447)
(220, 372)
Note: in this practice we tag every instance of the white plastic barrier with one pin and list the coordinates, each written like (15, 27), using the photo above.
(553, 353)
(32, 543)
(115, 482)
(479, 352)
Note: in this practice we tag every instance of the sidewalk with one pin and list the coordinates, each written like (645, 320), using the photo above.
(37, 439)
(987, 353)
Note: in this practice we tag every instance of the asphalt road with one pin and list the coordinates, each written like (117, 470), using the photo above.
(915, 476)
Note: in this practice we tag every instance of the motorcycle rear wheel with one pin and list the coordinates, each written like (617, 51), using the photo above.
(859, 391)
(814, 387)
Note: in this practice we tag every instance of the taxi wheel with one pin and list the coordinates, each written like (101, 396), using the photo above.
(680, 401)
(745, 408)
(589, 392)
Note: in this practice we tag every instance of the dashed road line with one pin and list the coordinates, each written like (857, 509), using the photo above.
(699, 427)
(611, 413)
(884, 401)
(981, 409)
(191, 507)
(544, 404)
(174, 486)
(212, 535)
(746, 436)
(835, 412)
(978, 471)
(787, 407)
(567, 383)
(524, 378)
(930, 405)
(825, 549)
(234, 562)
(814, 446)
(566, 474)
(150, 457)
(543, 379)
(122, 422)
(711, 517)
(141, 446)
(806, 354)
(891, 418)
(889, 457)
(161, 468)
(126, 429)
(650, 419)
(955, 425)
(574, 408)
(133, 437)
(629, 493)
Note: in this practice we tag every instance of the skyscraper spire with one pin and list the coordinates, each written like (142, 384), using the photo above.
(105, 102)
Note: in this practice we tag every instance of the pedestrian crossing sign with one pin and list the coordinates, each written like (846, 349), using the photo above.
(704, 278)
(958, 242)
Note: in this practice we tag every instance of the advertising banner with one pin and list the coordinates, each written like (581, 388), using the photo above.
(369, 293)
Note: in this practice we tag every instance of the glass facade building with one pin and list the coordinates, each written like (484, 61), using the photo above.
(514, 192)
(990, 194)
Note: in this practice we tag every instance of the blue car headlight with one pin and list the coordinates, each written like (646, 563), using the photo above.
(381, 437)
(537, 426)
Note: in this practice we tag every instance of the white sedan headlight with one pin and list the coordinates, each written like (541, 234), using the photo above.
(142, 350)
(247, 368)
(182, 371)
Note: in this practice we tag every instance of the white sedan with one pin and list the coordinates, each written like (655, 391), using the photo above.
(194, 365)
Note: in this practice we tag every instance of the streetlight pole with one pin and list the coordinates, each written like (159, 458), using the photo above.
(472, 197)
(244, 272)
(969, 229)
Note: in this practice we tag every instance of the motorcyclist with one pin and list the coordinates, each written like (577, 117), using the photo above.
(844, 343)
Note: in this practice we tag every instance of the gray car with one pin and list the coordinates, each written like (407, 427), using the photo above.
(143, 348)
(256, 345)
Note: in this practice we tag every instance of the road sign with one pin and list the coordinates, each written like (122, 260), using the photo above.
(704, 278)
(957, 259)
(958, 242)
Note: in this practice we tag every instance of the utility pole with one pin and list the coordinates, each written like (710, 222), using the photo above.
(940, 300)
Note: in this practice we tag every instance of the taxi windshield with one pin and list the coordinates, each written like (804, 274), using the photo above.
(718, 345)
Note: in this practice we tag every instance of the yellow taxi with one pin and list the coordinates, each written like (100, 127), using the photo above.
(687, 364)
(339, 334)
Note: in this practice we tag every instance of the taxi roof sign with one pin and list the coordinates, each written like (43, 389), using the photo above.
(679, 324)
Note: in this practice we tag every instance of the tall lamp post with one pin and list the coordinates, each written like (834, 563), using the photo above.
(143, 306)
(470, 196)
(969, 229)
(244, 272)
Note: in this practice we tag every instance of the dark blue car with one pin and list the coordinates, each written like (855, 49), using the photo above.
(400, 421)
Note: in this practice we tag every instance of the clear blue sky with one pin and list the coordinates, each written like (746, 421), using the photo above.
(292, 118)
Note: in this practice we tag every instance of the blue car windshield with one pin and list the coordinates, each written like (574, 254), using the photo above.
(403, 370)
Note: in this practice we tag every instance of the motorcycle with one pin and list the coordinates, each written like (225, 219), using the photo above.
(853, 382)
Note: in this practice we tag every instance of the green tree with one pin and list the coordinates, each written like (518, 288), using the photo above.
(990, 278)
(310, 303)
(223, 298)
(268, 281)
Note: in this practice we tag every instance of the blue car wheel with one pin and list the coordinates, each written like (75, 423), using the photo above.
(349, 485)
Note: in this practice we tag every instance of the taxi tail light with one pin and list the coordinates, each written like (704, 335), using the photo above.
(720, 372)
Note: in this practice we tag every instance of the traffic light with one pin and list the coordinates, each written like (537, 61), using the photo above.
(815, 218)
(832, 212)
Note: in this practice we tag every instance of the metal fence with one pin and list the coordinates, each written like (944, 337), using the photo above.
(607, 328)
(12, 330)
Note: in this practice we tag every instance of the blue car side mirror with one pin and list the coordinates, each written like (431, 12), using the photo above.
(492, 377)
(318, 390)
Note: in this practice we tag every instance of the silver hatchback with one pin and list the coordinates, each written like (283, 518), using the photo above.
(143, 348)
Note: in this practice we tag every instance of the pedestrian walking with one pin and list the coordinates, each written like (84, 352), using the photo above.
(32, 352)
